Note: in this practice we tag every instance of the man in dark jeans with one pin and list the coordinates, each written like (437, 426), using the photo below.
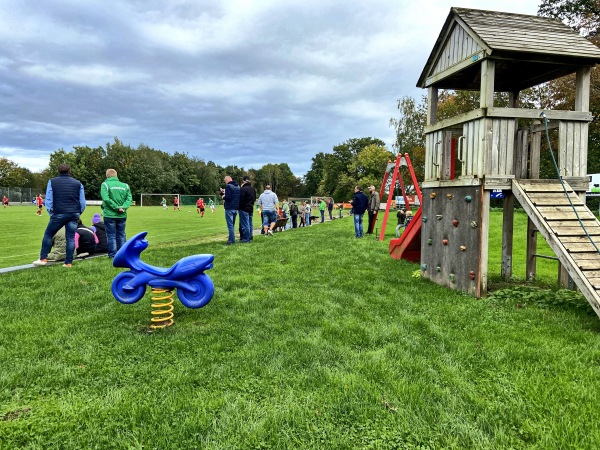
(231, 203)
(246, 208)
(65, 201)
(116, 199)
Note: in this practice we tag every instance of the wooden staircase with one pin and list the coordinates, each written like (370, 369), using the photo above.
(547, 205)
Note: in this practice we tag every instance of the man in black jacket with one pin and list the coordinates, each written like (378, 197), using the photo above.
(231, 203)
(247, 199)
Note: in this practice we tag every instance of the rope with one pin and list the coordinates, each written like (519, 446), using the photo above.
(562, 183)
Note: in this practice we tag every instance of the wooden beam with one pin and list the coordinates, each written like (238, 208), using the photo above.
(484, 246)
(486, 98)
(456, 120)
(432, 104)
(521, 113)
(507, 234)
(582, 89)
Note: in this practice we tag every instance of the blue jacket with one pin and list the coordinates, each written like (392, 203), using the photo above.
(360, 203)
(64, 195)
(232, 196)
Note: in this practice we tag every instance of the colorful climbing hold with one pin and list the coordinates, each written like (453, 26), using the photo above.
(455, 222)
(468, 199)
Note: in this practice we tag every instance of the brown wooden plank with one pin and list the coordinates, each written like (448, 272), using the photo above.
(586, 217)
(550, 188)
(590, 273)
(588, 265)
(580, 248)
(586, 257)
(555, 209)
(575, 231)
(595, 282)
(589, 224)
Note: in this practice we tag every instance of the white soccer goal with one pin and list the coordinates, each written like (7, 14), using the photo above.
(156, 199)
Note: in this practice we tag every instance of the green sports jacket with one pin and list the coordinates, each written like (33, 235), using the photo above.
(115, 195)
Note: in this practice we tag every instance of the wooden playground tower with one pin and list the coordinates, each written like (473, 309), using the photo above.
(470, 155)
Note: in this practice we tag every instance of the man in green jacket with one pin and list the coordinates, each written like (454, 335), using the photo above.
(116, 198)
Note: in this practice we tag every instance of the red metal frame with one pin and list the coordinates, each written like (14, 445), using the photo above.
(401, 160)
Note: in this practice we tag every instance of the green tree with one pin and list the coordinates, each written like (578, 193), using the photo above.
(12, 175)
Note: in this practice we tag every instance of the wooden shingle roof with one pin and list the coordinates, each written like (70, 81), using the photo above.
(528, 50)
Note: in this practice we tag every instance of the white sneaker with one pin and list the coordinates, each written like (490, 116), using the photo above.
(270, 232)
(40, 262)
(83, 255)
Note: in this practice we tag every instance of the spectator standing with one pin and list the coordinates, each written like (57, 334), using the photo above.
(247, 199)
(231, 203)
(373, 208)
(301, 211)
(116, 199)
(322, 208)
(401, 216)
(360, 203)
(102, 246)
(286, 214)
(294, 214)
(269, 204)
(307, 211)
(330, 208)
(65, 201)
(39, 201)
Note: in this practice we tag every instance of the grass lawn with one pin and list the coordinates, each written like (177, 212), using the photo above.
(314, 339)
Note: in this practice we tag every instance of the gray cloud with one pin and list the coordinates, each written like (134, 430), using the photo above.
(235, 82)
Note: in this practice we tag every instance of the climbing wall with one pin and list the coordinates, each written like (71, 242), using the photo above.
(451, 237)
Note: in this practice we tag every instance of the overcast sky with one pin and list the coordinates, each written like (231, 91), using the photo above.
(244, 82)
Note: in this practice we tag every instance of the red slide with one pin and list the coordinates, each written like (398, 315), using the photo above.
(408, 246)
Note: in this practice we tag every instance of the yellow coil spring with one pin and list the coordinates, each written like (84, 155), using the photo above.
(162, 308)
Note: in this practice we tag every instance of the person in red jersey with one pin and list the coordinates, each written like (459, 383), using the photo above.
(5, 201)
(200, 206)
(176, 204)
(39, 201)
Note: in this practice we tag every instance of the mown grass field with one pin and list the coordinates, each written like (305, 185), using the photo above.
(314, 339)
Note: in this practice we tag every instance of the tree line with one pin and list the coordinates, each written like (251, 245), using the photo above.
(147, 170)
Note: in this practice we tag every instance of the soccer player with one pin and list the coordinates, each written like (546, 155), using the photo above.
(40, 203)
(211, 205)
(176, 204)
(5, 201)
(163, 202)
(200, 206)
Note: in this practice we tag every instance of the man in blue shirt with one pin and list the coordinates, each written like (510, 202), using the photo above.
(65, 202)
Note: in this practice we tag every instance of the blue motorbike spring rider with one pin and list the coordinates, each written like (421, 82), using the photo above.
(194, 288)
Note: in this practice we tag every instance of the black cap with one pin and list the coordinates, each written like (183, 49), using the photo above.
(246, 178)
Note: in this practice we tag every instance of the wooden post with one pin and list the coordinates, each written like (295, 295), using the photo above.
(484, 242)
(507, 234)
(534, 173)
(486, 98)
(582, 89)
(432, 103)
(508, 207)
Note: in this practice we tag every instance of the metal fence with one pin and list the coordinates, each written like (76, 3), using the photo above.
(20, 195)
